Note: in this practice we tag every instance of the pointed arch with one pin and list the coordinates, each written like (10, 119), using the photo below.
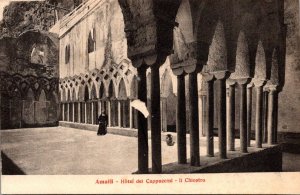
(242, 59)
(133, 88)
(81, 93)
(111, 90)
(30, 95)
(260, 63)
(68, 95)
(86, 93)
(217, 56)
(42, 96)
(274, 79)
(93, 92)
(122, 90)
(102, 93)
(73, 95)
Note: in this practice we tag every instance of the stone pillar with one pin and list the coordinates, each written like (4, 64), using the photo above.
(130, 116)
(204, 115)
(92, 112)
(180, 119)
(209, 122)
(124, 116)
(155, 120)
(63, 112)
(142, 122)
(265, 116)
(259, 115)
(271, 115)
(231, 117)
(243, 114)
(73, 111)
(193, 124)
(119, 113)
(85, 113)
(79, 112)
(68, 112)
(109, 113)
(222, 117)
(249, 114)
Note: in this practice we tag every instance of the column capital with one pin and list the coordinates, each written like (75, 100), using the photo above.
(221, 74)
(243, 81)
(208, 77)
(258, 82)
(271, 88)
(230, 82)
(250, 85)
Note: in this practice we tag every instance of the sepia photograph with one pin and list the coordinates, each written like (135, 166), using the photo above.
(150, 96)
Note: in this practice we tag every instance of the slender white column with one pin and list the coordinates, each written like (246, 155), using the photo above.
(68, 110)
(130, 116)
(79, 112)
(109, 113)
(119, 113)
(92, 112)
(73, 111)
(85, 113)
(63, 111)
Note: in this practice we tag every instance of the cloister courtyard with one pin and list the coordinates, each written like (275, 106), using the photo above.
(68, 151)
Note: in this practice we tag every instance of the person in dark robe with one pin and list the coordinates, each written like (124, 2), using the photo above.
(103, 122)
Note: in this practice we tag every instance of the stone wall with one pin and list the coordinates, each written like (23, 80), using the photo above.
(289, 98)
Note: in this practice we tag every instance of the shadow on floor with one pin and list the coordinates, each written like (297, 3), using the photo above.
(9, 167)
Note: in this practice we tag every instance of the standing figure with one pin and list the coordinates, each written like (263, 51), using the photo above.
(103, 121)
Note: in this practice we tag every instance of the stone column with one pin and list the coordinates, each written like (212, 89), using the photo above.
(68, 112)
(243, 114)
(271, 115)
(63, 112)
(265, 116)
(79, 112)
(109, 113)
(231, 117)
(259, 115)
(193, 124)
(180, 119)
(73, 111)
(221, 79)
(130, 116)
(124, 117)
(92, 112)
(155, 120)
(85, 113)
(209, 122)
(119, 113)
(249, 113)
(142, 122)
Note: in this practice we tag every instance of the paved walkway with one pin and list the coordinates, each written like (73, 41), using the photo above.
(63, 151)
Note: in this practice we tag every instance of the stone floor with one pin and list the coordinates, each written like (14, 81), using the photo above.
(63, 151)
